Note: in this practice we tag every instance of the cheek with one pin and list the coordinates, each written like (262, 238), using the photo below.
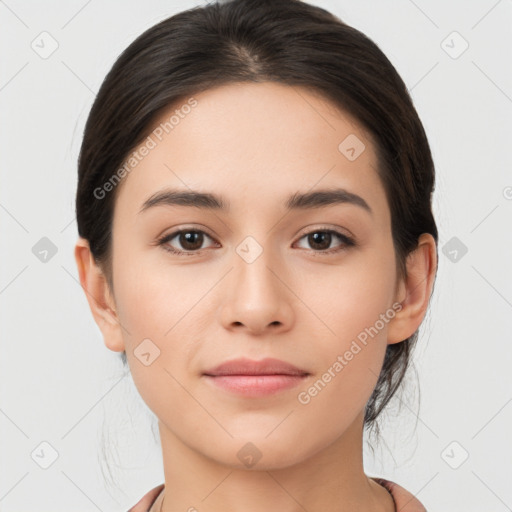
(152, 296)
(141, 305)
(351, 353)
(354, 307)
(159, 304)
(352, 297)
(153, 308)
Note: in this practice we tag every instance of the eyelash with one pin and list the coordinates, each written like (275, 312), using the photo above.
(347, 242)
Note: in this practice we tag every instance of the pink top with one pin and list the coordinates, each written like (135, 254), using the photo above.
(404, 500)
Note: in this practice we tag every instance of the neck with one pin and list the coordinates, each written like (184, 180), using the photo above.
(329, 480)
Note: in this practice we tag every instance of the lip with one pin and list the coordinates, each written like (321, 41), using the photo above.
(243, 366)
(255, 378)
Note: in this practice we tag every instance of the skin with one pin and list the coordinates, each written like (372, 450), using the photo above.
(257, 144)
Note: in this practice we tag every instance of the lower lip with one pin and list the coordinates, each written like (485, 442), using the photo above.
(256, 385)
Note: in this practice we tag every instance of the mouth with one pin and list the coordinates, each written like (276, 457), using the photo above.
(255, 378)
(256, 385)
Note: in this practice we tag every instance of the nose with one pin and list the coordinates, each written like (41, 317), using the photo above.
(256, 297)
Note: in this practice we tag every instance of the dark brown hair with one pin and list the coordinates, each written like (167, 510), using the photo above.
(286, 41)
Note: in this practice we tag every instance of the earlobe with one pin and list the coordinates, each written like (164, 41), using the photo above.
(415, 291)
(99, 296)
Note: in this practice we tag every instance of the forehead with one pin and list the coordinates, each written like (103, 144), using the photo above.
(254, 142)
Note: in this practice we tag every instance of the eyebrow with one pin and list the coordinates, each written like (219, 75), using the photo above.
(297, 201)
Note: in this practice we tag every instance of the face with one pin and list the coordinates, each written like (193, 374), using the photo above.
(308, 282)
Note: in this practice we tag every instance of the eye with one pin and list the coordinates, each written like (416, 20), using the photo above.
(320, 240)
(191, 241)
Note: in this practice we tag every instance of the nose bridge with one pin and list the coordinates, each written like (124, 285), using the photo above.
(253, 262)
(257, 298)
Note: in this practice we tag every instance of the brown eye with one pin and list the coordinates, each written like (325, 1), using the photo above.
(320, 240)
(191, 240)
(188, 241)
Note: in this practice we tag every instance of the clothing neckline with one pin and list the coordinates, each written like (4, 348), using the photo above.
(403, 500)
(163, 488)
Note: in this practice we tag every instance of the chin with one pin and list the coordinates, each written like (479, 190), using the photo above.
(258, 454)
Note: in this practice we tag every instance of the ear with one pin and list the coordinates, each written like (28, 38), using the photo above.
(99, 296)
(414, 292)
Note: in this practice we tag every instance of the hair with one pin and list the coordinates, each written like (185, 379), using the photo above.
(285, 41)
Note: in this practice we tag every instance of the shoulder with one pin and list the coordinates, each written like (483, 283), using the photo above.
(144, 504)
(404, 500)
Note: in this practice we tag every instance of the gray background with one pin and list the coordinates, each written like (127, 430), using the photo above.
(59, 383)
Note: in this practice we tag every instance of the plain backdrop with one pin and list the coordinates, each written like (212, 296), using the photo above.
(65, 397)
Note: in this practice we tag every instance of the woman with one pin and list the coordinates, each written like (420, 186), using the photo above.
(257, 240)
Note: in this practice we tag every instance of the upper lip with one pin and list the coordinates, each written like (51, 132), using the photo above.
(243, 366)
